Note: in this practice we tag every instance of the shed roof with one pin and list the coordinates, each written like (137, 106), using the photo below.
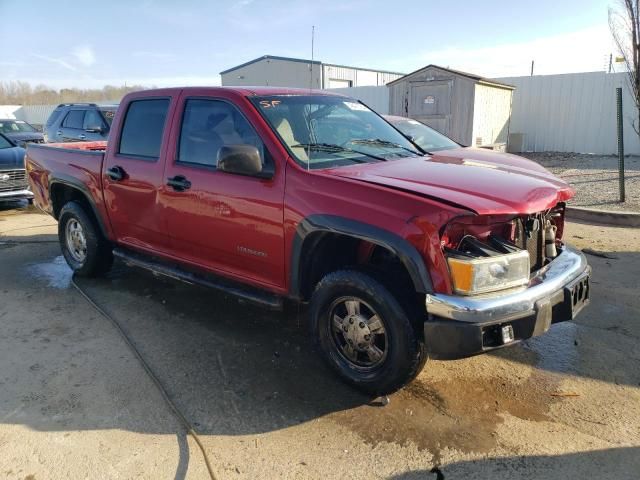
(472, 76)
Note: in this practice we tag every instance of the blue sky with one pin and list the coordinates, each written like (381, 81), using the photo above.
(157, 42)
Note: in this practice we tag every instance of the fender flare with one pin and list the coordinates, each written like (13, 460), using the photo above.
(400, 247)
(76, 184)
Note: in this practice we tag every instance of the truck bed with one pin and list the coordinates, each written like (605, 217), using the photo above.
(76, 163)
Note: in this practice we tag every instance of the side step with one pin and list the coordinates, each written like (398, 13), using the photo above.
(162, 267)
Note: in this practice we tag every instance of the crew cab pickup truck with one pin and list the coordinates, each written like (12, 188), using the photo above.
(279, 195)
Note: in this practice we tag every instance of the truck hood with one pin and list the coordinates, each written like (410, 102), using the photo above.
(23, 137)
(11, 158)
(480, 180)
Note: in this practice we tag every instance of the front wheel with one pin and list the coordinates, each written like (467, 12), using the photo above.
(364, 333)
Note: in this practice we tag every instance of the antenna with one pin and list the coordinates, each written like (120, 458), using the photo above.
(313, 31)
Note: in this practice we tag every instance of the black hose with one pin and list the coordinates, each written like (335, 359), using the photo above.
(150, 373)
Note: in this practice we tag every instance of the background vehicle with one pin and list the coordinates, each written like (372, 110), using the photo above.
(401, 256)
(20, 132)
(13, 178)
(428, 139)
(79, 122)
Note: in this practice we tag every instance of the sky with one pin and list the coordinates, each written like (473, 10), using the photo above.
(166, 43)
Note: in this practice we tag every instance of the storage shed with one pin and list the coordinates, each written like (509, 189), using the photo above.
(472, 110)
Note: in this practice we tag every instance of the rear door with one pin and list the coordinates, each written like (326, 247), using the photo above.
(230, 224)
(71, 129)
(133, 174)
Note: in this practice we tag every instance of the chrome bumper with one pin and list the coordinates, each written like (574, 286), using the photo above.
(16, 194)
(513, 304)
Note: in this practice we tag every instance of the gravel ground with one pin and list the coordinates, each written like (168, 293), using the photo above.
(595, 178)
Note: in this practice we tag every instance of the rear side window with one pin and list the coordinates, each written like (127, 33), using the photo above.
(143, 127)
(74, 119)
(54, 116)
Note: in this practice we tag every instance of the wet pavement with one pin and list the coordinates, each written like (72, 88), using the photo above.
(563, 405)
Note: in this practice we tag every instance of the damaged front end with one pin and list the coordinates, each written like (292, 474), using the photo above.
(511, 278)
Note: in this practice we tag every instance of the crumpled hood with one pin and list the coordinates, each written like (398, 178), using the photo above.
(481, 180)
(11, 158)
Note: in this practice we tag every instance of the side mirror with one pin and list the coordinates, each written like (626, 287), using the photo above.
(94, 129)
(241, 160)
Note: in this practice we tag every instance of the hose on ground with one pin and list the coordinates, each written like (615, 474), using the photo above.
(149, 372)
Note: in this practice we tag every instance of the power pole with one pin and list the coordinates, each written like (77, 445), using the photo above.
(532, 62)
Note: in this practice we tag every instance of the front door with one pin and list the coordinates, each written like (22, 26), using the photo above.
(230, 224)
(430, 102)
(133, 176)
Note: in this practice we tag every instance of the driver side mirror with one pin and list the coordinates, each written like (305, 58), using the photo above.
(94, 129)
(241, 160)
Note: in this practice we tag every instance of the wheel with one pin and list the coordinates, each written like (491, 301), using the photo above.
(83, 246)
(364, 333)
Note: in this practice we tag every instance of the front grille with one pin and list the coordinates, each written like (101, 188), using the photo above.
(531, 240)
(11, 180)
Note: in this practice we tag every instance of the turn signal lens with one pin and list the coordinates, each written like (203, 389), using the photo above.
(471, 276)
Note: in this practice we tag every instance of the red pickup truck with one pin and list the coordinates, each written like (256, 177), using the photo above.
(283, 195)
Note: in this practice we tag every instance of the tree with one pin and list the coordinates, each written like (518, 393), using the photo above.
(624, 23)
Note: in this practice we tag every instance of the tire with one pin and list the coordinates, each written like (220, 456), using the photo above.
(403, 350)
(96, 257)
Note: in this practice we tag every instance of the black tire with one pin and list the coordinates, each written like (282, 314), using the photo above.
(405, 350)
(99, 255)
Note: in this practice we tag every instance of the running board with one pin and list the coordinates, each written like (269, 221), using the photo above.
(161, 267)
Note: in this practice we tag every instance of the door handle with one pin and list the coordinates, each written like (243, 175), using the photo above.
(179, 183)
(82, 136)
(59, 132)
(116, 173)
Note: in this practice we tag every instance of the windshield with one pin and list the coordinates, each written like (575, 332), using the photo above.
(323, 131)
(108, 114)
(4, 143)
(15, 126)
(425, 137)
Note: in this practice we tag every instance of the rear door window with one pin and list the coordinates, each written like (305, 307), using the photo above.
(143, 127)
(74, 119)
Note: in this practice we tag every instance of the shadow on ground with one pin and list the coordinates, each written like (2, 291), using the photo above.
(614, 463)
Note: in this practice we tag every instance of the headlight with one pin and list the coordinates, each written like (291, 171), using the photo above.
(471, 276)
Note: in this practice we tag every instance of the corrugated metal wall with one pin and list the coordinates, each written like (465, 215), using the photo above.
(572, 112)
(36, 115)
(376, 98)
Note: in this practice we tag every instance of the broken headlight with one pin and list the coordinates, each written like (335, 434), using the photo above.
(480, 268)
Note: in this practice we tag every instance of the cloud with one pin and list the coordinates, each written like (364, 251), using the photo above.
(84, 55)
(578, 51)
(57, 61)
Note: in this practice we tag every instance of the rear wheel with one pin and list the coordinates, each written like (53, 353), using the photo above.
(83, 246)
(364, 333)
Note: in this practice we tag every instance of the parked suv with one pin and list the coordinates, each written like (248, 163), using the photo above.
(79, 122)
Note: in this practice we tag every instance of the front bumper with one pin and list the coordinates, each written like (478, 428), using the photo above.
(15, 195)
(460, 326)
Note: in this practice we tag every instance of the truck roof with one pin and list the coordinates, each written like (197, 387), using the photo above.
(247, 90)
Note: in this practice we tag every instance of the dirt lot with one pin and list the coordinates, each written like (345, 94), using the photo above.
(74, 402)
(595, 178)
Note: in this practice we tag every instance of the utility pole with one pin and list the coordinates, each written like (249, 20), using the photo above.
(532, 62)
(610, 62)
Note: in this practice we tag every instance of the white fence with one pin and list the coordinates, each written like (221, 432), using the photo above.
(375, 97)
(572, 112)
(34, 114)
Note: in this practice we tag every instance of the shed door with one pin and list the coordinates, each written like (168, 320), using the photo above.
(430, 103)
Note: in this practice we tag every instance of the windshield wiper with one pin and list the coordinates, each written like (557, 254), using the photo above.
(331, 148)
(382, 143)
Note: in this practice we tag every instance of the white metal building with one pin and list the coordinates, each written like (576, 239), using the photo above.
(299, 73)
